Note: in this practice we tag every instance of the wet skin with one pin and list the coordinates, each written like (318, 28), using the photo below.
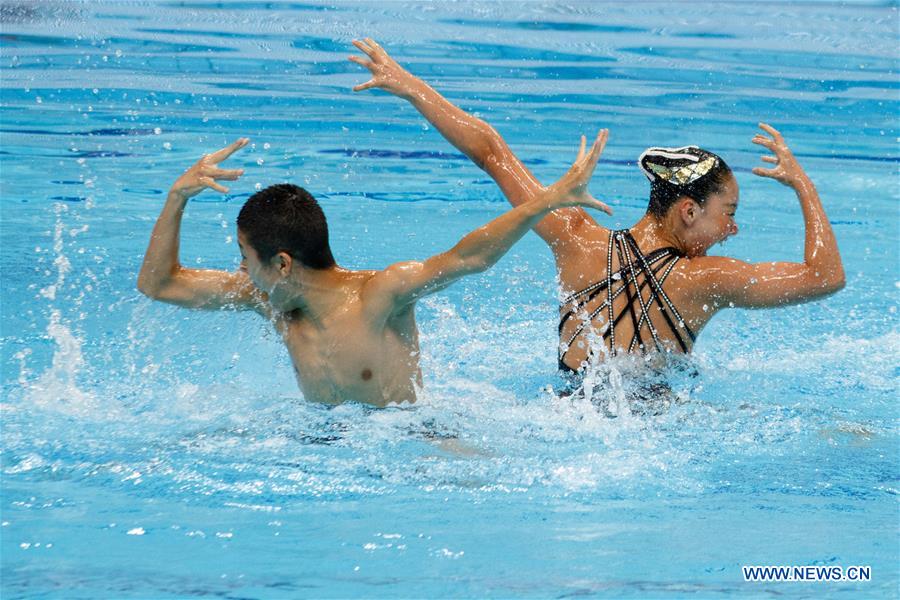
(699, 285)
(351, 335)
(348, 352)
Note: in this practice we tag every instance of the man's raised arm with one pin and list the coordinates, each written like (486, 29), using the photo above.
(162, 276)
(404, 283)
(476, 139)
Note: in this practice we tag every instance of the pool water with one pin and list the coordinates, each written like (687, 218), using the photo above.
(154, 452)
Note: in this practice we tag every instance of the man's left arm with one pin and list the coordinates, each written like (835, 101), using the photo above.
(404, 283)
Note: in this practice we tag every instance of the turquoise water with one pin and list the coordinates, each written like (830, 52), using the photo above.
(153, 452)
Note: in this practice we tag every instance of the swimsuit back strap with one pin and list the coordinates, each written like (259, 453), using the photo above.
(599, 286)
(658, 289)
(654, 298)
(589, 318)
(648, 274)
(609, 297)
(630, 270)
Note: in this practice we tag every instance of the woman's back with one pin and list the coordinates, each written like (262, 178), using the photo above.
(635, 286)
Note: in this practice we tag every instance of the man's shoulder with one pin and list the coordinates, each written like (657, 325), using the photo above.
(379, 289)
(390, 278)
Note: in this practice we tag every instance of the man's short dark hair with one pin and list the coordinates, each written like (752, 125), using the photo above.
(286, 218)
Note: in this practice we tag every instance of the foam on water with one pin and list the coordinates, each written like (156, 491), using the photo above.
(465, 433)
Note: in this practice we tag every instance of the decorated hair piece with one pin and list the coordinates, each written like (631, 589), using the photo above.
(676, 166)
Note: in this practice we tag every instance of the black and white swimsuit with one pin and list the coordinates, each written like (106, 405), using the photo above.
(637, 271)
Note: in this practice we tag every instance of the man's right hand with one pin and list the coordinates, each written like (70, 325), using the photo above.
(571, 189)
(206, 172)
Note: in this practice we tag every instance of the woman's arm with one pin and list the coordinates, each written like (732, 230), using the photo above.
(764, 285)
(477, 140)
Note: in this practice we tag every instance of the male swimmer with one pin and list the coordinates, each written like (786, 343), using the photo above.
(351, 335)
(649, 289)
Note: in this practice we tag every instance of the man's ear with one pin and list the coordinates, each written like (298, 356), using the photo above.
(688, 210)
(283, 262)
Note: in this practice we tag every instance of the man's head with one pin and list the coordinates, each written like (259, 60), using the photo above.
(286, 218)
(694, 191)
(279, 223)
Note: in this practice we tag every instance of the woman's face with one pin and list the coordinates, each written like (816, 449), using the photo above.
(715, 222)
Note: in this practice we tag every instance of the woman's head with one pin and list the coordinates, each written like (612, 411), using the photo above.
(678, 172)
(694, 191)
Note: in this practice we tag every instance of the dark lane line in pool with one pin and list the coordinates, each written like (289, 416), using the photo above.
(548, 26)
(417, 154)
(85, 154)
(109, 132)
(24, 40)
(254, 6)
(420, 154)
(403, 155)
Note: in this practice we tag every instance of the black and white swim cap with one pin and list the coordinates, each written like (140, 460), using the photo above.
(676, 166)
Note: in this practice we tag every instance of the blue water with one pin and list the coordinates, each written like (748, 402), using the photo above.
(155, 452)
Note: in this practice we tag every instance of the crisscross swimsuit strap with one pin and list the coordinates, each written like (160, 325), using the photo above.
(636, 272)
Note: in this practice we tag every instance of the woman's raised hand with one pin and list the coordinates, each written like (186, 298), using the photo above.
(386, 73)
(786, 170)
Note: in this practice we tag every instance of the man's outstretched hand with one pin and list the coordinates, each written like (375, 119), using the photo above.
(206, 173)
(571, 189)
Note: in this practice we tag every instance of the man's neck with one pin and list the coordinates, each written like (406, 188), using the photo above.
(317, 292)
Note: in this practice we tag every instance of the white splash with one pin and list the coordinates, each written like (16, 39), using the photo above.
(58, 386)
